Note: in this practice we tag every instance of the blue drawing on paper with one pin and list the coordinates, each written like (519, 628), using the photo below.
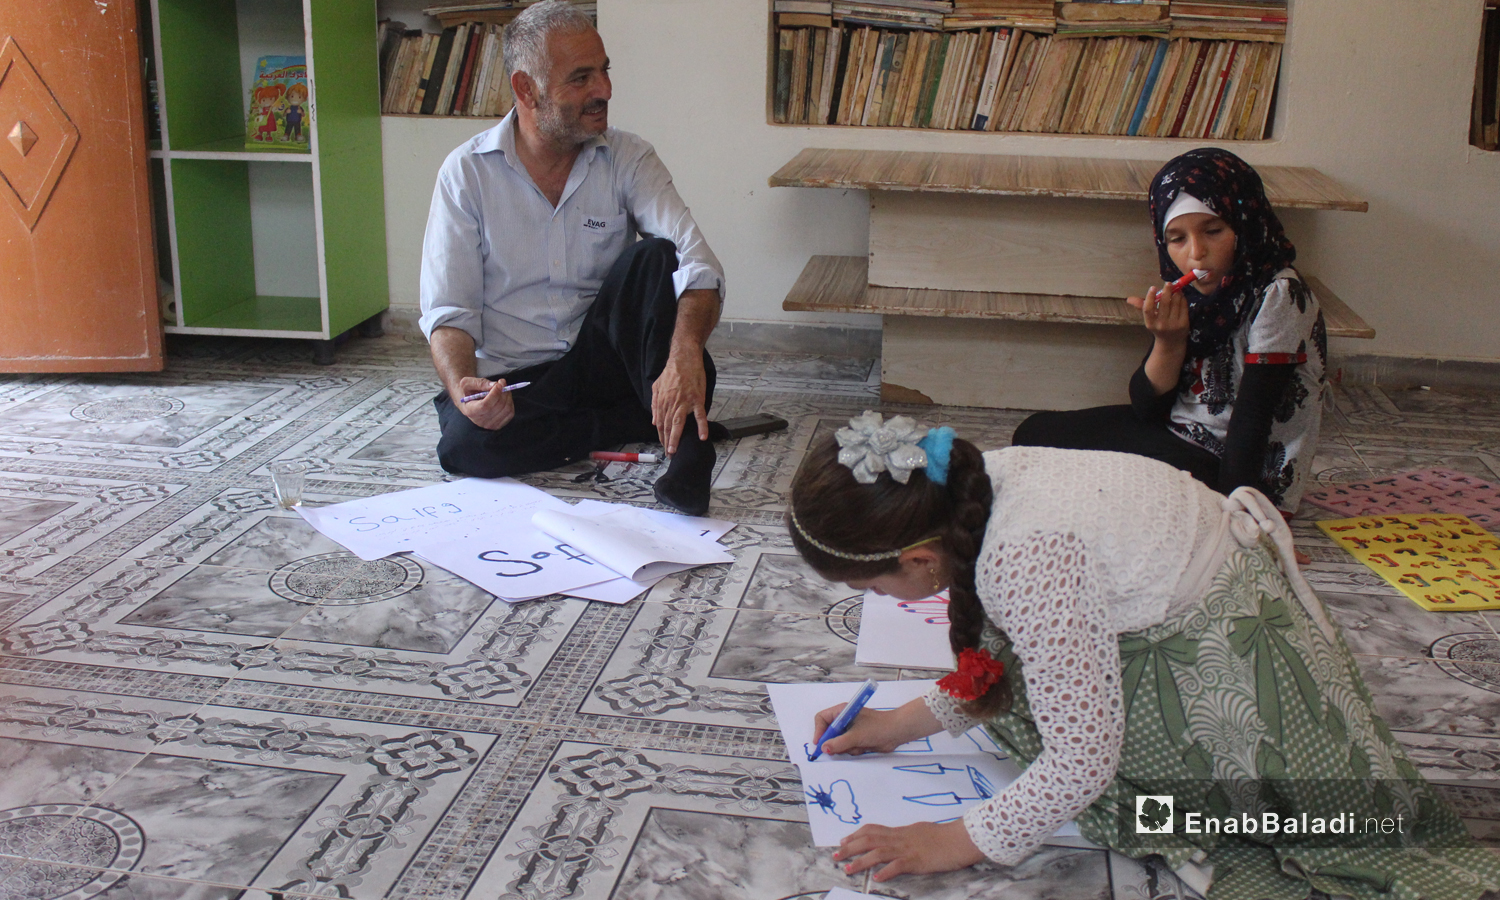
(984, 789)
(920, 745)
(837, 799)
(986, 744)
(927, 769)
(982, 785)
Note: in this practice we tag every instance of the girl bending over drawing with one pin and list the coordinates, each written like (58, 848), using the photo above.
(1123, 631)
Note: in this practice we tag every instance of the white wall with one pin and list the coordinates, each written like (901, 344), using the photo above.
(1375, 93)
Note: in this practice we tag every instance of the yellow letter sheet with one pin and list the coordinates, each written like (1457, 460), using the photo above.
(1444, 563)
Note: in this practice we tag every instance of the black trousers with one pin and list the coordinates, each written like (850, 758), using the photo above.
(598, 394)
(1117, 428)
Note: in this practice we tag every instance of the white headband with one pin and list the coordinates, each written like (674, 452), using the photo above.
(1184, 204)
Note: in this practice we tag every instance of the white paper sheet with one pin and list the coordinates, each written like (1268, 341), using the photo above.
(633, 544)
(797, 704)
(845, 794)
(934, 779)
(616, 591)
(406, 520)
(910, 634)
(514, 561)
(622, 589)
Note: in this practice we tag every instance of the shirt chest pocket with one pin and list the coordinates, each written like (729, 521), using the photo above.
(602, 228)
(601, 238)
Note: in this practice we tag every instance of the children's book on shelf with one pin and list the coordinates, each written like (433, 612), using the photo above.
(278, 117)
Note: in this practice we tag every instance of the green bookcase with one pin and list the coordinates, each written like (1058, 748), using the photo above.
(272, 243)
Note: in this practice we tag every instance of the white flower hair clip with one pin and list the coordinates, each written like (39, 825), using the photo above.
(869, 446)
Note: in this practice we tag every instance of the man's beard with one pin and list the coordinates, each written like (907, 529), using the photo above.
(564, 126)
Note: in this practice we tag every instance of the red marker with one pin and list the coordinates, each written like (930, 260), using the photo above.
(1189, 278)
(611, 456)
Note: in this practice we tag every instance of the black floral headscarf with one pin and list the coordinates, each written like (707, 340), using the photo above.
(1233, 190)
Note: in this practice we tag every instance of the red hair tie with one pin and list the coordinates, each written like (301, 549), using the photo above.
(977, 673)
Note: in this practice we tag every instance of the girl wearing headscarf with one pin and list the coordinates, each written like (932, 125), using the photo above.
(1231, 390)
(1127, 634)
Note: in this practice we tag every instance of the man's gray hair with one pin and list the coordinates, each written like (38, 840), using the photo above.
(526, 38)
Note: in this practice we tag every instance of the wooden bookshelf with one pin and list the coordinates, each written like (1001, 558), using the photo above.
(1178, 70)
(840, 284)
(1290, 187)
(999, 278)
(273, 243)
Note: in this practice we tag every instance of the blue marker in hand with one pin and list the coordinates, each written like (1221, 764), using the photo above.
(845, 718)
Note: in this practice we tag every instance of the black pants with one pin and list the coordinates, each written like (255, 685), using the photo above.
(1117, 428)
(598, 394)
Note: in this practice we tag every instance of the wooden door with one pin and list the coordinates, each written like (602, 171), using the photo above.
(77, 266)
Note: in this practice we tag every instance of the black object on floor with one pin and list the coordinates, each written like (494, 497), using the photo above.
(744, 426)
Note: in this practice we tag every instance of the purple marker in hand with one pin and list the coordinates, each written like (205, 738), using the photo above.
(505, 390)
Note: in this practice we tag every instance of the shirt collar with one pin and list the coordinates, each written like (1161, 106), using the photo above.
(503, 138)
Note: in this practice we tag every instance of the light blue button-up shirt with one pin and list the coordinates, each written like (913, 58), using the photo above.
(499, 262)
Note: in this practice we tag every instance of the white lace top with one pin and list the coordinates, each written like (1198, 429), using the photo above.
(1081, 546)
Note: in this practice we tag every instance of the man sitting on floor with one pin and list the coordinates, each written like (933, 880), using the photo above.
(531, 273)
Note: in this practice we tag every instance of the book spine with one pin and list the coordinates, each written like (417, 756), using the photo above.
(1147, 87)
(413, 75)
(1221, 87)
(879, 72)
(986, 102)
(1261, 123)
(867, 75)
(854, 50)
(450, 75)
(1187, 94)
(819, 64)
(429, 56)
(797, 102)
(439, 72)
(466, 77)
(481, 74)
(918, 68)
(933, 80)
(1015, 82)
(1121, 98)
(836, 98)
(1081, 91)
(1169, 88)
(974, 84)
(399, 68)
(782, 97)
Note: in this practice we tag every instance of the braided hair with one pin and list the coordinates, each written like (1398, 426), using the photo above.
(839, 513)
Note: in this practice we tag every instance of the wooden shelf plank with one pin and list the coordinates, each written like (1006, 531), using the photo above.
(1337, 316)
(1289, 187)
(840, 284)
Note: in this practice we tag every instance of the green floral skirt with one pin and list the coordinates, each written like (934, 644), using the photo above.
(1245, 710)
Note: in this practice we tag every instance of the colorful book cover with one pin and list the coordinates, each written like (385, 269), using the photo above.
(278, 118)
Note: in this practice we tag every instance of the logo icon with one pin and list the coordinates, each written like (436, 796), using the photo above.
(1153, 815)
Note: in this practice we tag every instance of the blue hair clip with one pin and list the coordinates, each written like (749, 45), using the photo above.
(939, 447)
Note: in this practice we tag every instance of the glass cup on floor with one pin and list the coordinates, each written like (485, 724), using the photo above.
(287, 475)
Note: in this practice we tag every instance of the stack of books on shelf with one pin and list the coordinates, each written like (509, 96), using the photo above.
(1034, 15)
(495, 12)
(1242, 20)
(1008, 79)
(1101, 18)
(1484, 127)
(902, 13)
(457, 73)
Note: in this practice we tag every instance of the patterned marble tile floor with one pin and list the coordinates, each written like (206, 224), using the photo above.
(201, 698)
